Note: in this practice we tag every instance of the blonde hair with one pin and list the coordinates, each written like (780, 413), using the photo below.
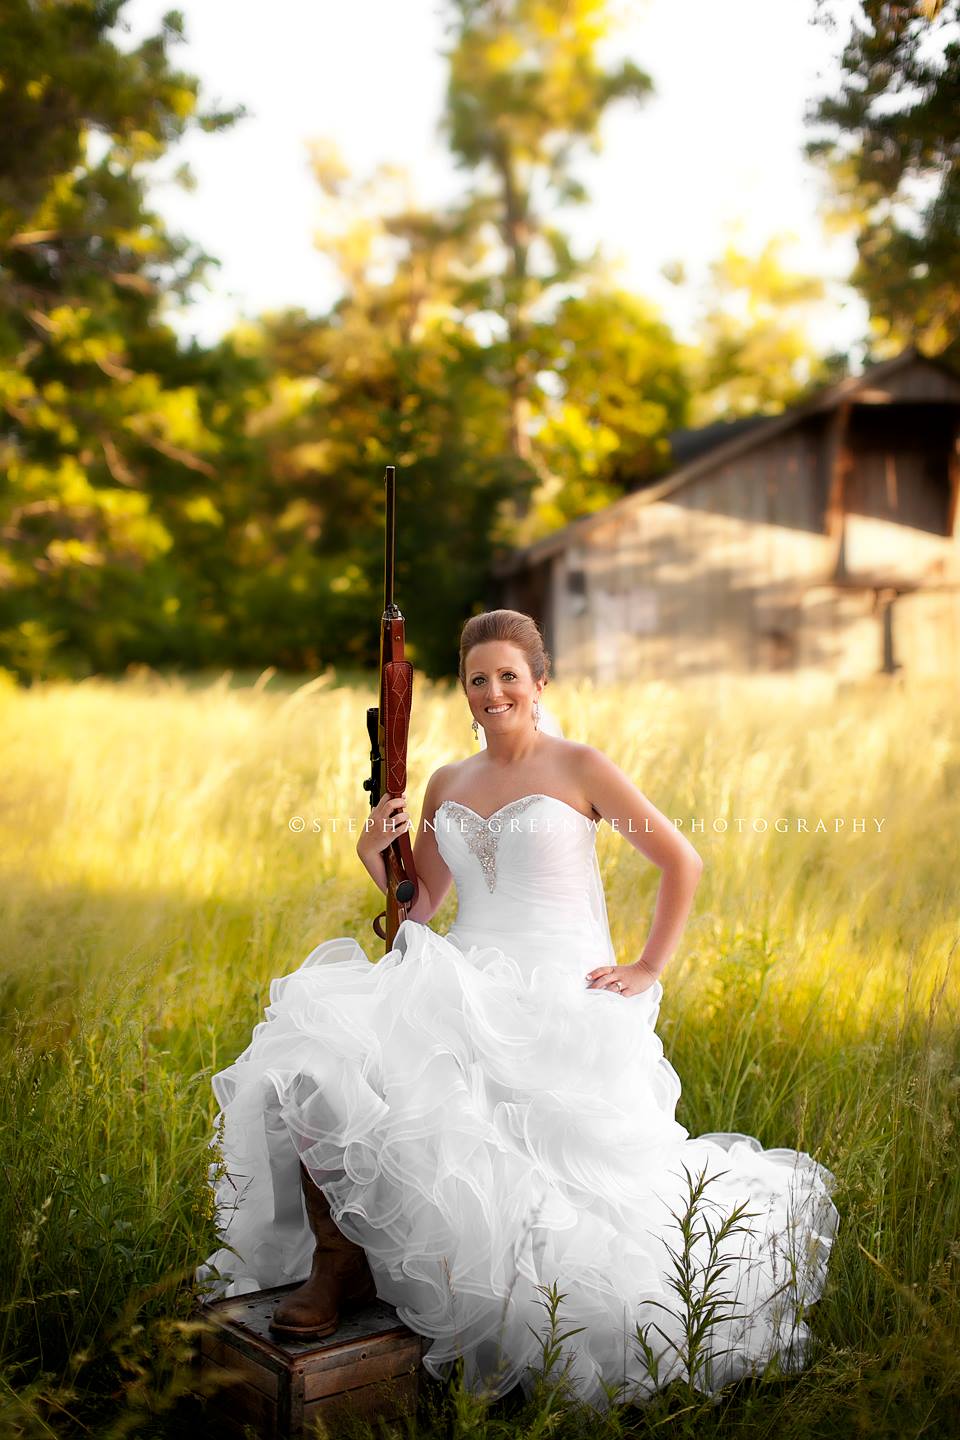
(511, 626)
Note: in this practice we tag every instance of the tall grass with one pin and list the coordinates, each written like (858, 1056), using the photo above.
(152, 887)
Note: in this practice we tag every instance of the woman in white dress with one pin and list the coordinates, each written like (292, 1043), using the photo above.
(484, 1113)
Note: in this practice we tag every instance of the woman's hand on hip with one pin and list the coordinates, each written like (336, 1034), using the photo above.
(622, 980)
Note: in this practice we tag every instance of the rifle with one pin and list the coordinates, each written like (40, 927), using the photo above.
(387, 726)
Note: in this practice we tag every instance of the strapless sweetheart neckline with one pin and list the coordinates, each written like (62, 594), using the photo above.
(536, 795)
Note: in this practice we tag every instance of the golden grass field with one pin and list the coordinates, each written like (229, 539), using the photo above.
(152, 888)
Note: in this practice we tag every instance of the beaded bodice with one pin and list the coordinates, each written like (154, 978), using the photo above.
(526, 874)
(482, 833)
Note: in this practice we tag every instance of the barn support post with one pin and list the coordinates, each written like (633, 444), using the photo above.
(885, 599)
(838, 461)
(953, 470)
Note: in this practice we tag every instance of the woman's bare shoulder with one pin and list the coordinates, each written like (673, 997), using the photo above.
(568, 756)
(444, 778)
(568, 749)
(574, 761)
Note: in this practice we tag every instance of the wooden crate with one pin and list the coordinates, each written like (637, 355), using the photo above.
(370, 1365)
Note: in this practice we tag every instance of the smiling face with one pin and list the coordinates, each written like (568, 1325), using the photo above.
(500, 688)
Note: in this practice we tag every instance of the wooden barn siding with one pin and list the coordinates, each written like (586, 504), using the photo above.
(693, 584)
(926, 635)
(885, 483)
(841, 633)
(700, 582)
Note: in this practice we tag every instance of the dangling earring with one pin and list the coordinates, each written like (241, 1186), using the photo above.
(476, 730)
(536, 714)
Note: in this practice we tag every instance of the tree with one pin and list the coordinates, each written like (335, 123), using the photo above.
(755, 351)
(891, 147)
(107, 450)
(391, 374)
(223, 504)
(617, 387)
(526, 93)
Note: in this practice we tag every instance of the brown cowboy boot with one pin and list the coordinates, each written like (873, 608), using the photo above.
(340, 1277)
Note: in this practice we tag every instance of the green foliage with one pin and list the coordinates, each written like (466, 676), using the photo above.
(527, 91)
(755, 352)
(329, 419)
(188, 505)
(617, 387)
(702, 1304)
(105, 445)
(888, 142)
(193, 506)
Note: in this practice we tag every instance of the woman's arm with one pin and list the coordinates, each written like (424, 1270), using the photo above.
(628, 810)
(433, 877)
(432, 873)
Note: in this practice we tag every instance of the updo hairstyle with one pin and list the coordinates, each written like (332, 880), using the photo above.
(509, 625)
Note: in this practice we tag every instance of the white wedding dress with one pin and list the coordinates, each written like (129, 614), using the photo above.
(484, 1124)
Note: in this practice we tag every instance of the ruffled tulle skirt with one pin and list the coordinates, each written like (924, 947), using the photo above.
(485, 1129)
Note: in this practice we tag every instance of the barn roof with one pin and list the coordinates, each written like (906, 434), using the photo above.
(687, 444)
(722, 443)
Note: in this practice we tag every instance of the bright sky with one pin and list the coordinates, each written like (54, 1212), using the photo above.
(719, 145)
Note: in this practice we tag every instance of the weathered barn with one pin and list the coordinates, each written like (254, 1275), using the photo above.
(821, 540)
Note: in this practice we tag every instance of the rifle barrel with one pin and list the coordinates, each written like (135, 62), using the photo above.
(390, 479)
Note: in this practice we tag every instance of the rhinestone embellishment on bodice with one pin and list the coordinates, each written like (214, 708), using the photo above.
(483, 835)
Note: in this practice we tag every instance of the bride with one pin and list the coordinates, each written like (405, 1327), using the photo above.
(484, 1113)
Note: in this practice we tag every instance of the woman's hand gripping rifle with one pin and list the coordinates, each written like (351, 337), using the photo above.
(388, 726)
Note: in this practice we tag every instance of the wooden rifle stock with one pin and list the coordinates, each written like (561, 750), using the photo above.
(388, 726)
